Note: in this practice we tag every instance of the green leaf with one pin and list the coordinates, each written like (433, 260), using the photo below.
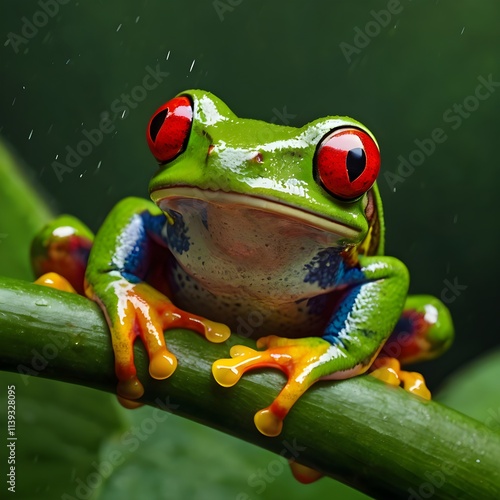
(59, 427)
(59, 430)
(475, 390)
(23, 213)
(163, 456)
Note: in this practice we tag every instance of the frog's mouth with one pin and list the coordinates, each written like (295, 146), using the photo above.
(165, 198)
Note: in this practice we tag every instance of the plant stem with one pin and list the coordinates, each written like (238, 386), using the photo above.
(378, 439)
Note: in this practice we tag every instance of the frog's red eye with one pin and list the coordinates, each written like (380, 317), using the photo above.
(168, 129)
(347, 163)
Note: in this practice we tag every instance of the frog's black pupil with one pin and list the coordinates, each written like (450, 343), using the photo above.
(355, 163)
(156, 123)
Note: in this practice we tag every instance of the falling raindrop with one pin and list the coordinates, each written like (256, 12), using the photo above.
(119, 27)
(192, 65)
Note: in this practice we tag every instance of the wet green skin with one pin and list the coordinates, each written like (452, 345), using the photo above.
(272, 162)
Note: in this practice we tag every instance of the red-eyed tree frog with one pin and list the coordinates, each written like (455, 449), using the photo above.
(272, 226)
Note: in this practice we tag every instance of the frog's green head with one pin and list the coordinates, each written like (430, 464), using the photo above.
(321, 175)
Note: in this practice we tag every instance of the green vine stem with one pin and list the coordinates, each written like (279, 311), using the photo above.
(378, 439)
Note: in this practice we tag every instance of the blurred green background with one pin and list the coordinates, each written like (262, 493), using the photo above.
(402, 68)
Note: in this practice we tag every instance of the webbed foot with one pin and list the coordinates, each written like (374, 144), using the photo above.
(301, 360)
(141, 311)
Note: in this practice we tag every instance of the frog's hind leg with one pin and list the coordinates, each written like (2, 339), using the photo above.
(423, 331)
(59, 254)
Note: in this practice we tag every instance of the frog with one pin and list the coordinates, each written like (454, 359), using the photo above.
(275, 227)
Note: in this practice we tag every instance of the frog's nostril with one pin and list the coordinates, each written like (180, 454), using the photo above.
(156, 124)
(258, 158)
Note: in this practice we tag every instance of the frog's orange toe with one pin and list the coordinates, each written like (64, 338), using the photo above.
(268, 423)
(129, 404)
(387, 374)
(162, 364)
(216, 332)
(54, 280)
(242, 350)
(389, 371)
(228, 371)
(414, 382)
(130, 388)
(304, 474)
(225, 372)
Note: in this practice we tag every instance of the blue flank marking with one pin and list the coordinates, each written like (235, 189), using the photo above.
(404, 324)
(131, 278)
(177, 237)
(329, 271)
(325, 269)
(136, 262)
(154, 223)
(338, 321)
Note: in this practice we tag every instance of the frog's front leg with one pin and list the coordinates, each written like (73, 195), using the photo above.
(373, 298)
(120, 262)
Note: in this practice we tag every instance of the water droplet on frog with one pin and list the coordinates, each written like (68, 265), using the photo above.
(41, 302)
(478, 461)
